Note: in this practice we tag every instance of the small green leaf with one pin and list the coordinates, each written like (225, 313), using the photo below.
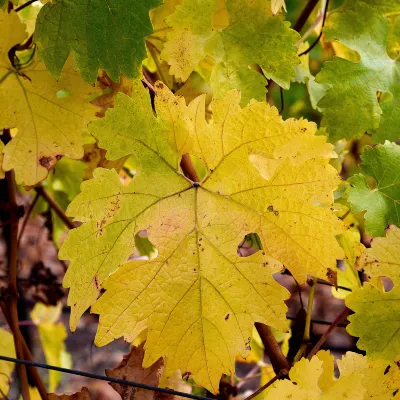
(382, 202)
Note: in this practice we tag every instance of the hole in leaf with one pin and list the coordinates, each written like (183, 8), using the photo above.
(249, 245)
(63, 93)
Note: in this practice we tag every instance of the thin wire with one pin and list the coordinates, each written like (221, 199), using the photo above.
(28, 3)
(105, 378)
(282, 101)
(320, 34)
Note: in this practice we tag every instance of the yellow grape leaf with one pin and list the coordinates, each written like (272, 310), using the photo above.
(313, 379)
(383, 258)
(376, 322)
(197, 298)
(52, 336)
(353, 248)
(380, 381)
(130, 368)
(6, 368)
(276, 5)
(51, 116)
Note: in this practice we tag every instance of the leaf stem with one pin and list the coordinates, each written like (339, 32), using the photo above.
(306, 336)
(323, 338)
(153, 53)
(56, 208)
(263, 387)
(304, 15)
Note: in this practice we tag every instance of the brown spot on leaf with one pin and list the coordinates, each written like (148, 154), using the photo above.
(49, 162)
(332, 277)
(227, 317)
(97, 282)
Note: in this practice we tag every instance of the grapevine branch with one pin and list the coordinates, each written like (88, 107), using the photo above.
(12, 290)
(105, 378)
(323, 338)
(53, 204)
(27, 215)
(28, 356)
(263, 387)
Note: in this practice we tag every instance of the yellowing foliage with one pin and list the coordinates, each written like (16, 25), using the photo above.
(6, 368)
(383, 258)
(198, 298)
(51, 116)
(359, 379)
(52, 335)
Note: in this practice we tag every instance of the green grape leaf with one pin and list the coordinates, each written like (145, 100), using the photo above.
(252, 36)
(350, 104)
(198, 298)
(110, 35)
(382, 199)
(376, 322)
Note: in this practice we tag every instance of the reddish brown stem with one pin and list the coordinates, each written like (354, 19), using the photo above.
(262, 388)
(12, 290)
(34, 374)
(57, 209)
(188, 168)
(278, 360)
(323, 338)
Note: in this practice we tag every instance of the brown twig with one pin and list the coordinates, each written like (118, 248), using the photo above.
(188, 168)
(57, 209)
(323, 338)
(12, 290)
(263, 387)
(34, 374)
(279, 362)
(27, 215)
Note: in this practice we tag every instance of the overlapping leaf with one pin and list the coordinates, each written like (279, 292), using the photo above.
(6, 369)
(198, 299)
(252, 36)
(383, 258)
(50, 116)
(376, 322)
(98, 34)
(313, 379)
(52, 336)
(380, 197)
(350, 104)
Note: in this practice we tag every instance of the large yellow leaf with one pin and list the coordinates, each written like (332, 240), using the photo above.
(380, 381)
(313, 380)
(50, 116)
(52, 336)
(359, 379)
(198, 298)
(383, 258)
(6, 368)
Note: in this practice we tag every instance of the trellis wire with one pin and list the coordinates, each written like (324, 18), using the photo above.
(105, 378)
